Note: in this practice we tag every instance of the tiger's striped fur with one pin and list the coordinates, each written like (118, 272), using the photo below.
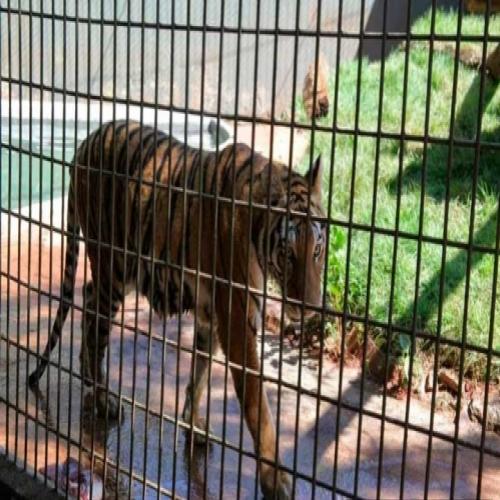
(135, 188)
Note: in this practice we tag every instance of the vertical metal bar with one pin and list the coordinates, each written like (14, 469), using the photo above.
(349, 240)
(232, 227)
(85, 310)
(395, 247)
(75, 241)
(342, 333)
(9, 239)
(62, 234)
(185, 208)
(164, 262)
(477, 153)
(110, 314)
(19, 235)
(39, 266)
(267, 251)
(181, 294)
(308, 220)
(419, 244)
(246, 284)
(201, 160)
(195, 328)
(332, 159)
(125, 244)
(96, 272)
(30, 225)
(445, 245)
(287, 220)
(216, 228)
(153, 223)
(137, 239)
(372, 236)
(51, 218)
(168, 235)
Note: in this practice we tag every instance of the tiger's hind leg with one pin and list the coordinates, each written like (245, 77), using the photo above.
(95, 340)
(198, 382)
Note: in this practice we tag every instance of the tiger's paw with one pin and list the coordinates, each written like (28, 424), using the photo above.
(281, 491)
(108, 406)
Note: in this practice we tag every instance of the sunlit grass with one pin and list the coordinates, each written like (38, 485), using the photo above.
(415, 172)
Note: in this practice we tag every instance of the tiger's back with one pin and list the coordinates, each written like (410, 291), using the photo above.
(141, 194)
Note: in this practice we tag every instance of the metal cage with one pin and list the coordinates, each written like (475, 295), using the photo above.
(389, 385)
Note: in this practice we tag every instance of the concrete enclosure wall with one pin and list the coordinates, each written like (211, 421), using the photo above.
(83, 56)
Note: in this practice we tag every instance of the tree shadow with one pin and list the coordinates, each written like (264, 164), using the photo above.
(461, 181)
(396, 22)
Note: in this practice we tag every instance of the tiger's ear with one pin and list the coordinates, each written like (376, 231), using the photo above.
(314, 177)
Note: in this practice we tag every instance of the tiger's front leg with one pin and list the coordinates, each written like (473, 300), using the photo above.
(242, 350)
(95, 339)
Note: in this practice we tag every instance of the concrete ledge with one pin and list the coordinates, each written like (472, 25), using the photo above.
(15, 483)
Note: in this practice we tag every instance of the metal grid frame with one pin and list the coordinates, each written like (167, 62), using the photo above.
(12, 277)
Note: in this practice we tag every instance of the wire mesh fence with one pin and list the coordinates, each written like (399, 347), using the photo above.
(251, 248)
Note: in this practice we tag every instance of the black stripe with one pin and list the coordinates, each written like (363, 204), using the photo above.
(90, 152)
(120, 125)
(148, 234)
(175, 193)
(126, 145)
(205, 171)
(153, 147)
(83, 151)
(146, 216)
(123, 149)
(223, 162)
(136, 159)
(135, 202)
(190, 184)
(244, 166)
(237, 168)
(107, 156)
(101, 132)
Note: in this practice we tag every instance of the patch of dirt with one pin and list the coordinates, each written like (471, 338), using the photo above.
(314, 342)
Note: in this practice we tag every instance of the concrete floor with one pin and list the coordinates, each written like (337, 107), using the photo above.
(147, 442)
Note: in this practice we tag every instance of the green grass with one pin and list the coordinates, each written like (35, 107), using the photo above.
(407, 170)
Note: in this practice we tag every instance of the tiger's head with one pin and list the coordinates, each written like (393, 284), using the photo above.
(297, 241)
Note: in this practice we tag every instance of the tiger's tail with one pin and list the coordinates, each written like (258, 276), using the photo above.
(68, 285)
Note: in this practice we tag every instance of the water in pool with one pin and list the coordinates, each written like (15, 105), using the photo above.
(26, 180)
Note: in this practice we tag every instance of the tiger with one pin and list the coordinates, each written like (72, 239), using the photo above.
(145, 203)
